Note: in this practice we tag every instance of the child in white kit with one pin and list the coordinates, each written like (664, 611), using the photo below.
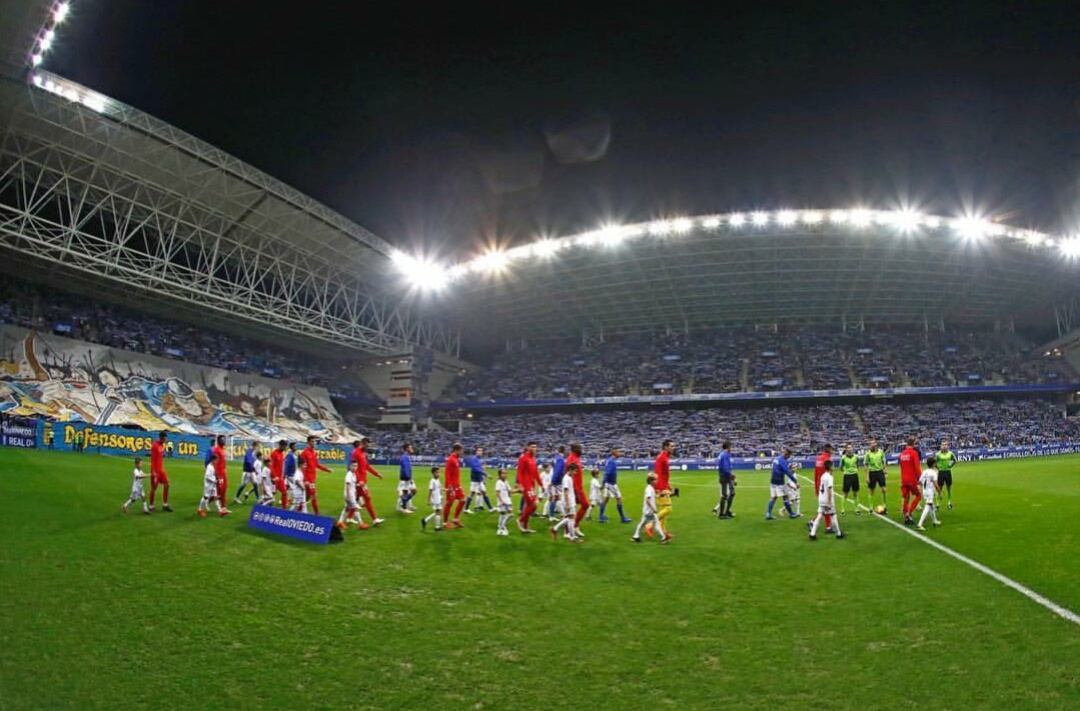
(928, 482)
(266, 483)
(826, 505)
(596, 492)
(649, 511)
(503, 503)
(137, 493)
(435, 501)
(351, 512)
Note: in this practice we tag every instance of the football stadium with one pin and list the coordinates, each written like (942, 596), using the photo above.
(257, 455)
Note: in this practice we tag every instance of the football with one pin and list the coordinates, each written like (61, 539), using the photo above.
(879, 509)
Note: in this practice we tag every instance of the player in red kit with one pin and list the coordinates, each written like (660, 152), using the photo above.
(819, 465)
(662, 469)
(221, 474)
(363, 468)
(310, 458)
(158, 477)
(454, 493)
(528, 477)
(577, 476)
(910, 472)
(277, 472)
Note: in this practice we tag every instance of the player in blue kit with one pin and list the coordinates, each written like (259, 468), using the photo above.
(726, 475)
(558, 471)
(477, 479)
(249, 478)
(406, 487)
(781, 473)
(611, 486)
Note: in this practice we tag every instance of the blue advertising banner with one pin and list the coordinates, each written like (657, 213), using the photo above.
(18, 434)
(302, 526)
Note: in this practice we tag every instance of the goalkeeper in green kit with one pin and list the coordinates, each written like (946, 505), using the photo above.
(946, 460)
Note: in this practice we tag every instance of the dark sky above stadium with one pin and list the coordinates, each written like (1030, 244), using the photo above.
(453, 124)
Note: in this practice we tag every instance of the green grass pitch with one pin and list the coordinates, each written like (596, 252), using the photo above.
(101, 610)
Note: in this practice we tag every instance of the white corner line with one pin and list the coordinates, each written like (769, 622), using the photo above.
(1059, 610)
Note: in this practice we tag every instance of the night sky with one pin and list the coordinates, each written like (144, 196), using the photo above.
(450, 125)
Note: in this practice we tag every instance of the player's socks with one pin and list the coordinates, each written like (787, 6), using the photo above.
(787, 506)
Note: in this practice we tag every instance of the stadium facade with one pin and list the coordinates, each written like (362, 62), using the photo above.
(103, 200)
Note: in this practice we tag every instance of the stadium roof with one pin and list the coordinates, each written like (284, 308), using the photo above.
(780, 267)
(99, 191)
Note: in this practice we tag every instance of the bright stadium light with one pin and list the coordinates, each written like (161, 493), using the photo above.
(811, 217)
(971, 228)
(1069, 247)
(838, 216)
(546, 248)
(493, 261)
(611, 235)
(786, 217)
(737, 219)
(860, 217)
(1033, 238)
(932, 221)
(61, 12)
(711, 223)
(421, 273)
(37, 59)
(660, 227)
(682, 225)
(905, 221)
(759, 218)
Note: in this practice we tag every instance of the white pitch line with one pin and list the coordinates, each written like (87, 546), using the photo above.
(1059, 610)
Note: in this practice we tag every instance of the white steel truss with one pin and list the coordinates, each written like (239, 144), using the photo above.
(127, 198)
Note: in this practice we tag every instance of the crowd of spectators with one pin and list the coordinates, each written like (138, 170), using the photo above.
(760, 430)
(83, 319)
(748, 359)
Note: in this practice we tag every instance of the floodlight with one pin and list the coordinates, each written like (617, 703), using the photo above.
(759, 218)
(786, 217)
(61, 12)
(737, 219)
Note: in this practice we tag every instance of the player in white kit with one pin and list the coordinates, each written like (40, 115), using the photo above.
(928, 482)
(546, 493)
(568, 501)
(649, 512)
(351, 512)
(826, 504)
(137, 493)
(435, 500)
(504, 504)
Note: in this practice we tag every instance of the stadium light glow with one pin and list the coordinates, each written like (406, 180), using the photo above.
(737, 219)
(1070, 247)
(786, 217)
(660, 227)
(811, 217)
(37, 59)
(422, 274)
(760, 218)
(493, 261)
(61, 11)
(546, 248)
(682, 225)
(905, 221)
(838, 216)
(611, 235)
(931, 221)
(860, 217)
(971, 228)
(711, 223)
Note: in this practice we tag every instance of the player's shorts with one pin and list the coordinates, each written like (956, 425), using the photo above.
(137, 490)
(297, 493)
(210, 486)
(944, 477)
(159, 479)
(436, 505)
(851, 483)
(777, 490)
(477, 487)
(612, 490)
(928, 496)
(792, 492)
(250, 478)
(505, 508)
(908, 490)
(454, 493)
(350, 499)
(823, 509)
(279, 484)
(406, 486)
(876, 479)
(596, 500)
(309, 490)
(663, 502)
